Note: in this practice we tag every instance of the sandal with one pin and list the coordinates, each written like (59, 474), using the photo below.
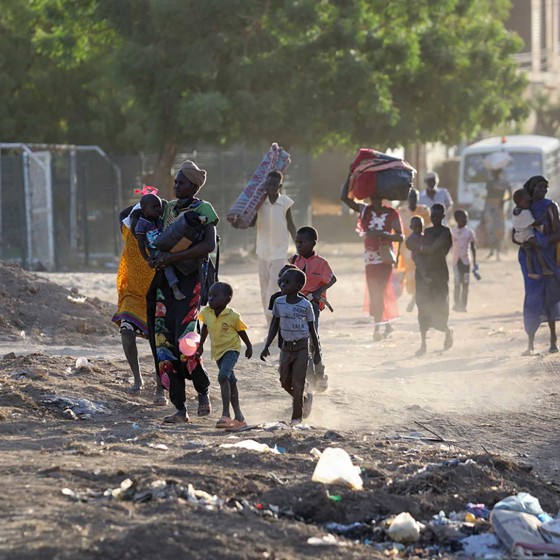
(225, 422)
(177, 418)
(236, 425)
(204, 406)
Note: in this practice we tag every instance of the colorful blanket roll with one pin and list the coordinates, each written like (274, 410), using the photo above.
(244, 209)
(375, 174)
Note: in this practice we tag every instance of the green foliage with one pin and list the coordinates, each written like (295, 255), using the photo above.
(140, 74)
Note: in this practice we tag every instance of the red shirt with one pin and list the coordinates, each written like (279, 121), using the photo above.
(318, 273)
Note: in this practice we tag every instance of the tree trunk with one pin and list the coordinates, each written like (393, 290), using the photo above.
(163, 178)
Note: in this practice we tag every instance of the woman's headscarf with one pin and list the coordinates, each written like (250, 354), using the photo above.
(531, 183)
(193, 173)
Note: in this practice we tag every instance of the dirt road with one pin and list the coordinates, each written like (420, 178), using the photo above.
(479, 398)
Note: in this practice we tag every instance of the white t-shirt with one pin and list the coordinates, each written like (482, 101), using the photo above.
(522, 225)
(273, 236)
(441, 196)
(462, 238)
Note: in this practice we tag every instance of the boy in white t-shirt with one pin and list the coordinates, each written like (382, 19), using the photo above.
(524, 225)
(274, 225)
(463, 238)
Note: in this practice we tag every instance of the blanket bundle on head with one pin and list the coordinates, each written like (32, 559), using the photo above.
(375, 174)
(244, 209)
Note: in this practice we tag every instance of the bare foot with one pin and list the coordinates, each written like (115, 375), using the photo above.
(177, 293)
(553, 348)
(448, 343)
(137, 387)
(529, 352)
(421, 351)
(377, 336)
(160, 398)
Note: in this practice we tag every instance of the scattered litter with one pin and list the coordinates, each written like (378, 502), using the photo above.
(478, 510)
(520, 533)
(276, 478)
(82, 364)
(326, 540)
(156, 490)
(444, 464)
(335, 467)
(551, 529)
(316, 453)
(202, 498)
(252, 445)
(334, 497)
(525, 503)
(303, 427)
(69, 414)
(404, 528)
(340, 528)
(84, 408)
(485, 545)
(160, 446)
(76, 299)
(28, 373)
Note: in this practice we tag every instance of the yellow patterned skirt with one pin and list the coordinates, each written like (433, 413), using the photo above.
(133, 280)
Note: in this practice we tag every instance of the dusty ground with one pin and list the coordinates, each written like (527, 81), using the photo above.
(480, 400)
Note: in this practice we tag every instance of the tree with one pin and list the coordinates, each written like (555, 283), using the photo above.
(312, 73)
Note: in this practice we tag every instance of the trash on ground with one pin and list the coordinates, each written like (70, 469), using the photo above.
(202, 498)
(404, 528)
(484, 545)
(478, 510)
(84, 408)
(526, 503)
(335, 467)
(252, 445)
(82, 364)
(520, 533)
(341, 528)
(160, 446)
(326, 540)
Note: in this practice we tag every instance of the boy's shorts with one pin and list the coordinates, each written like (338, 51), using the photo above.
(226, 364)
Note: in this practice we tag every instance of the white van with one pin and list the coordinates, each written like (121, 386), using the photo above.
(530, 155)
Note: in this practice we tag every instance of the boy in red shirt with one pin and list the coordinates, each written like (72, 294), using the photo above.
(319, 277)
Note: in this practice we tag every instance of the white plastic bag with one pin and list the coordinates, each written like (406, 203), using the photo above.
(404, 528)
(252, 445)
(335, 467)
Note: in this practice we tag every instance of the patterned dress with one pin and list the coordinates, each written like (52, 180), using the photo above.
(169, 319)
(133, 281)
(380, 293)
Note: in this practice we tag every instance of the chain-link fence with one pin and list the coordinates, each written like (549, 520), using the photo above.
(59, 205)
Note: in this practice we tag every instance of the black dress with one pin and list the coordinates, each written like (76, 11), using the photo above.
(432, 287)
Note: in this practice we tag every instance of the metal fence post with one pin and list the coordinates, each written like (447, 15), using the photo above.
(28, 212)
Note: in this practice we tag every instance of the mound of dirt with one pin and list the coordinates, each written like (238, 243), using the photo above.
(43, 309)
(90, 462)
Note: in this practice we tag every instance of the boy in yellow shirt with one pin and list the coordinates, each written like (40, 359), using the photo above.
(225, 327)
